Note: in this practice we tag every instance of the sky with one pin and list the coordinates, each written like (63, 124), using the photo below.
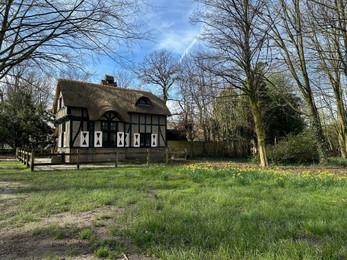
(169, 23)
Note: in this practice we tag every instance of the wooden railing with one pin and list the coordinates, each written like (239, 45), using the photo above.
(28, 157)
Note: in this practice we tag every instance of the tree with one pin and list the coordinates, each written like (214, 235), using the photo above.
(238, 39)
(123, 78)
(329, 38)
(233, 117)
(50, 32)
(24, 122)
(198, 86)
(24, 118)
(289, 31)
(159, 68)
(280, 110)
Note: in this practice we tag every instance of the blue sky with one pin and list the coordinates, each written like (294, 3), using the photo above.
(169, 23)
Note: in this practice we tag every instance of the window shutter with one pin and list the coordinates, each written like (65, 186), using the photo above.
(120, 139)
(127, 140)
(98, 139)
(84, 141)
(154, 140)
(60, 140)
(64, 140)
(136, 140)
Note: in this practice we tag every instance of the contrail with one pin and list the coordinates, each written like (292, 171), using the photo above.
(186, 51)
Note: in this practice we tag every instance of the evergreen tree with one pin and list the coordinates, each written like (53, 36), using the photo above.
(24, 122)
(233, 117)
(280, 110)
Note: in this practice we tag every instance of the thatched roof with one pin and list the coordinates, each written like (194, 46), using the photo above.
(99, 99)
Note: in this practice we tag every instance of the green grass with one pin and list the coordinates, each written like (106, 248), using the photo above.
(196, 212)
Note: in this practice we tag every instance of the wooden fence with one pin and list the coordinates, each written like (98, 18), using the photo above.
(28, 157)
(222, 149)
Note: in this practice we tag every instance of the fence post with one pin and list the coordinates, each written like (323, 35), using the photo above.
(116, 159)
(78, 159)
(27, 155)
(166, 155)
(185, 154)
(148, 156)
(32, 161)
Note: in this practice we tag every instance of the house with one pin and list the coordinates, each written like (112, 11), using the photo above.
(101, 117)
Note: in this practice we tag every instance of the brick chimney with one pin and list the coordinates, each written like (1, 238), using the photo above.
(109, 81)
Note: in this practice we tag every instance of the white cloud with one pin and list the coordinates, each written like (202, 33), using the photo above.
(171, 26)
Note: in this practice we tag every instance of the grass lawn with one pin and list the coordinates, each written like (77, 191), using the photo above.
(220, 210)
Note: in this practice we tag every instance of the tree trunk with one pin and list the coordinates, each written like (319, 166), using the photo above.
(317, 130)
(259, 132)
(342, 141)
(341, 123)
(165, 94)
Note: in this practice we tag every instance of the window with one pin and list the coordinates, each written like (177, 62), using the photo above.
(109, 139)
(144, 102)
(62, 139)
(91, 131)
(113, 126)
(109, 128)
(145, 140)
(104, 126)
(60, 103)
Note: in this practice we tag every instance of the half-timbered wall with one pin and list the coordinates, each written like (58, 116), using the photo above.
(78, 122)
(145, 125)
(61, 109)
(75, 130)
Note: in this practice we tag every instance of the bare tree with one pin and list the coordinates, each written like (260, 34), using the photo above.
(51, 32)
(329, 38)
(237, 36)
(25, 120)
(289, 33)
(124, 78)
(198, 86)
(158, 68)
(24, 78)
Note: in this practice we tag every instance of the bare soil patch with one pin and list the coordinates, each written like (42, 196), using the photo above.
(57, 236)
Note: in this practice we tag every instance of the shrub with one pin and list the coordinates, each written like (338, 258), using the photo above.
(299, 148)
